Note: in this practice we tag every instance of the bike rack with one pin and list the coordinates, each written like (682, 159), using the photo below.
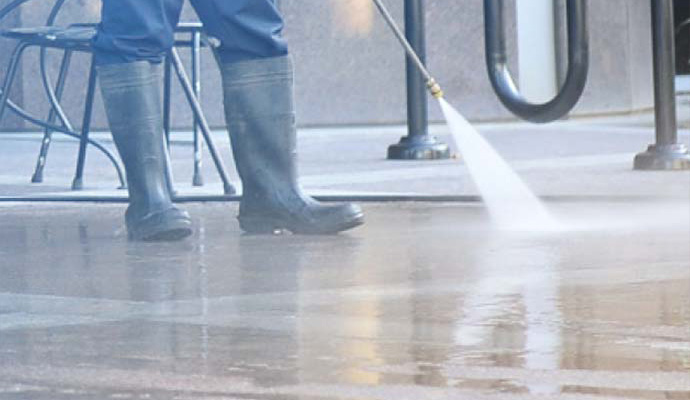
(502, 81)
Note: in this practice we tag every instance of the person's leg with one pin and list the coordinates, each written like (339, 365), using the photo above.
(259, 107)
(136, 30)
(132, 39)
(246, 29)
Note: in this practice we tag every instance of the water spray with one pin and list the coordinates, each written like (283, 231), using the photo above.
(512, 205)
(431, 84)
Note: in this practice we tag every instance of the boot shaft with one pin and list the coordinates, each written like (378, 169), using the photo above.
(131, 95)
(260, 113)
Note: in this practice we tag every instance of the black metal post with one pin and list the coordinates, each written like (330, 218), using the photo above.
(417, 145)
(666, 153)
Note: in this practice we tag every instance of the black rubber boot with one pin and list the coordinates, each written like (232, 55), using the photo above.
(259, 109)
(131, 94)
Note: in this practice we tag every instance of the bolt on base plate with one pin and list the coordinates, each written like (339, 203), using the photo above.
(418, 147)
(673, 157)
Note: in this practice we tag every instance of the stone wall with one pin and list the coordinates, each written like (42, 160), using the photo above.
(350, 69)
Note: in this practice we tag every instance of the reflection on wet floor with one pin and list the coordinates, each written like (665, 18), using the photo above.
(424, 302)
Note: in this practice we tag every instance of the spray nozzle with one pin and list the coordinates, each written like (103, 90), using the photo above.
(434, 88)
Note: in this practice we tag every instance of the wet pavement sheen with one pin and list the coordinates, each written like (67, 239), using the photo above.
(424, 302)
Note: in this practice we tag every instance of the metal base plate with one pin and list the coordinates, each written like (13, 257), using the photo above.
(673, 157)
(418, 147)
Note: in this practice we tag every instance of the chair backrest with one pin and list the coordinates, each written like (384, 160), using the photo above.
(85, 11)
(54, 12)
(11, 7)
(15, 4)
(31, 28)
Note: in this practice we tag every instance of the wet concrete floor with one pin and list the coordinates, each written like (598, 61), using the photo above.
(424, 302)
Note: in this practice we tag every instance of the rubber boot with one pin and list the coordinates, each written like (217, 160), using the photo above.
(259, 109)
(131, 95)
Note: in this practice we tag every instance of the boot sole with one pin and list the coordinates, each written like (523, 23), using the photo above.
(168, 232)
(262, 226)
(171, 235)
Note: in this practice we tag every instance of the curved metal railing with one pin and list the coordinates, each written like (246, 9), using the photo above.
(502, 81)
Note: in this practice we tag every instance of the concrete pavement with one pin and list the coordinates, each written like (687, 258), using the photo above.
(591, 157)
(426, 301)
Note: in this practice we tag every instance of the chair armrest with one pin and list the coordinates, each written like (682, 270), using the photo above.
(189, 27)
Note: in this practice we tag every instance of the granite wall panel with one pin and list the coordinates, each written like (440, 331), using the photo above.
(350, 69)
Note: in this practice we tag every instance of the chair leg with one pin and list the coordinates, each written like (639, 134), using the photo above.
(11, 74)
(167, 89)
(52, 116)
(196, 81)
(228, 188)
(78, 182)
(167, 100)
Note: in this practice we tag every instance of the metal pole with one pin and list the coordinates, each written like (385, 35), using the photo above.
(188, 90)
(417, 108)
(417, 145)
(664, 72)
(197, 179)
(666, 153)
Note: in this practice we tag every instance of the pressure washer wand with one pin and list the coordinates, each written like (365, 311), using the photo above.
(431, 83)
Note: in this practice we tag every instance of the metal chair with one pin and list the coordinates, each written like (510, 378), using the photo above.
(78, 38)
(69, 39)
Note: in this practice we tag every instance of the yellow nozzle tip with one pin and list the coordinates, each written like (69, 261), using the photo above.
(434, 88)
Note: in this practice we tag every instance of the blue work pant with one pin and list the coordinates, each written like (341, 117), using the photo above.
(136, 30)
